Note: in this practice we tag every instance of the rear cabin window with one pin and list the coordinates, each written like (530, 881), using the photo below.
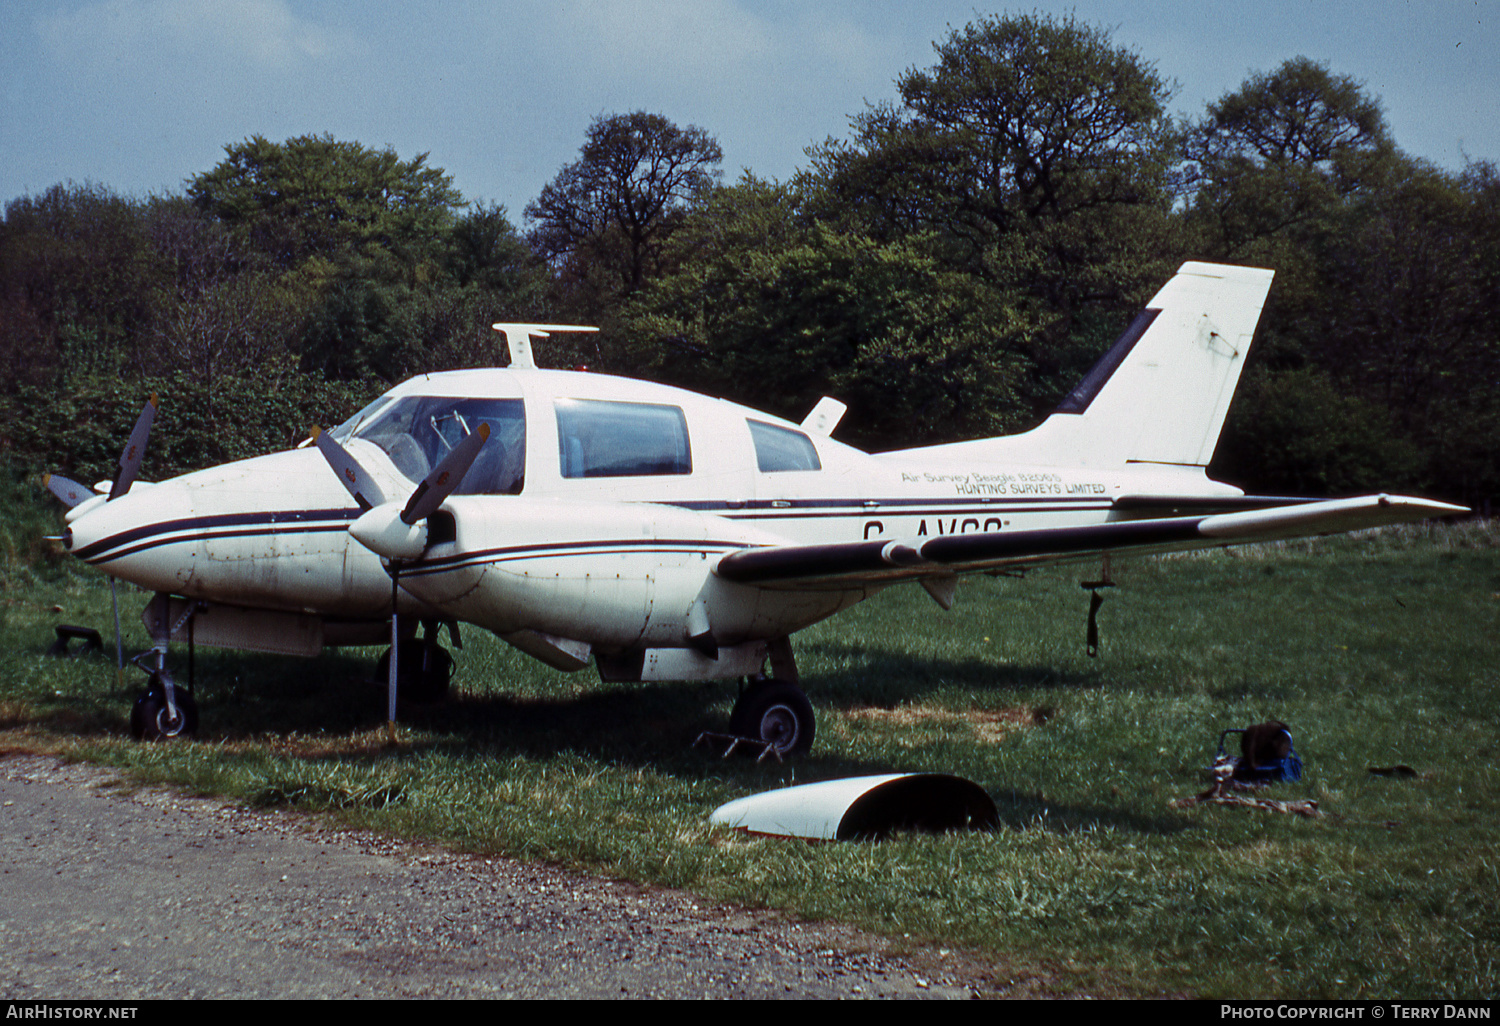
(779, 448)
(597, 438)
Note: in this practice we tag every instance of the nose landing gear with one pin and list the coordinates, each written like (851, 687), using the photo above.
(164, 711)
(153, 718)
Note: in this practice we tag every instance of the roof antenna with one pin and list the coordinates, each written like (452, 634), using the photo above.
(518, 338)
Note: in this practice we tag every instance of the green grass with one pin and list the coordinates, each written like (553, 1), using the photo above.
(1377, 650)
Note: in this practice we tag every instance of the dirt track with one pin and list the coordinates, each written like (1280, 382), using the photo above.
(111, 894)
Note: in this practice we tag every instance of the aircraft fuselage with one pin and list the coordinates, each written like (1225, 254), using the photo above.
(628, 495)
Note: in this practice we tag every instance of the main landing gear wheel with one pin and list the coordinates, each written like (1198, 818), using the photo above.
(151, 720)
(423, 674)
(775, 712)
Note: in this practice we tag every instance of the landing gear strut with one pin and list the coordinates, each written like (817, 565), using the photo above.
(164, 711)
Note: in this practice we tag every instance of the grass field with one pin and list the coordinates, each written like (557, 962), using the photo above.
(1378, 650)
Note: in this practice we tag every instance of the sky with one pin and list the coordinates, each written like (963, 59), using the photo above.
(140, 95)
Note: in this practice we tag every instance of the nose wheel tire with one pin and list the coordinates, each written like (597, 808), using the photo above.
(152, 720)
(775, 712)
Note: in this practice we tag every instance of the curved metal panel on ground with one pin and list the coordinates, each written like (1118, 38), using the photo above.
(864, 807)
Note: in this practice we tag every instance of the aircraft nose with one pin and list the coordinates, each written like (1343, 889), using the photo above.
(111, 530)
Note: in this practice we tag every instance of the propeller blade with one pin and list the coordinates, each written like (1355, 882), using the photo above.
(70, 492)
(135, 451)
(353, 476)
(439, 484)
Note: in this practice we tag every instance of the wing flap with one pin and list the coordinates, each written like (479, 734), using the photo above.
(881, 561)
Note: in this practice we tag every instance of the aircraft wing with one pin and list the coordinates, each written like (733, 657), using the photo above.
(889, 561)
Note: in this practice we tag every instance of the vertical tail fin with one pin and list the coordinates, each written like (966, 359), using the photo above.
(1161, 392)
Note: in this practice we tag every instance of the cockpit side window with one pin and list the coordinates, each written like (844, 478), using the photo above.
(597, 438)
(779, 448)
(418, 431)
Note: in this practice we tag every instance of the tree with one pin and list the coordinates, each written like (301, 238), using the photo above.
(488, 252)
(222, 310)
(77, 276)
(314, 195)
(1280, 153)
(387, 276)
(1411, 322)
(775, 315)
(1036, 156)
(1382, 323)
(1299, 433)
(1024, 121)
(604, 221)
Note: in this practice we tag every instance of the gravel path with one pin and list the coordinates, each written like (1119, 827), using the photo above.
(109, 893)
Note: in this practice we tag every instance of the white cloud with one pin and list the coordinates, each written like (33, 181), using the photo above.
(710, 47)
(262, 32)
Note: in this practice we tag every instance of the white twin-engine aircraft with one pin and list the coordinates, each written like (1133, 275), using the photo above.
(665, 535)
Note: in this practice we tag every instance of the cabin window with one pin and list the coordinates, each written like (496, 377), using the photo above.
(609, 439)
(779, 448)
(418, 431)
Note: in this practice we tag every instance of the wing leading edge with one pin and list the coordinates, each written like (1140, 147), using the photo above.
(890, 561)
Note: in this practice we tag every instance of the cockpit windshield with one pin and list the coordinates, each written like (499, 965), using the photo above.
(418, 431)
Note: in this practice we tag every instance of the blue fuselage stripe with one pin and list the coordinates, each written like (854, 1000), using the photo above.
(321, 521)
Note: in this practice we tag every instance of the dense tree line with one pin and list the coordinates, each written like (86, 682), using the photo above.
(949, 269)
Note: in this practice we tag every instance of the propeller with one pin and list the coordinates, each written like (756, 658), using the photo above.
(439, 484)
(398, 535)
(359, 483)
(70, 492)
(135, 451)
(74, 494)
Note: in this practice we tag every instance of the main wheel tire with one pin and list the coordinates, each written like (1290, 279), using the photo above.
(150, 719)
(423, 676)
(778, 713)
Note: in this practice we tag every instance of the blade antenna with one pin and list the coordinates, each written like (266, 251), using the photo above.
(518, 340)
